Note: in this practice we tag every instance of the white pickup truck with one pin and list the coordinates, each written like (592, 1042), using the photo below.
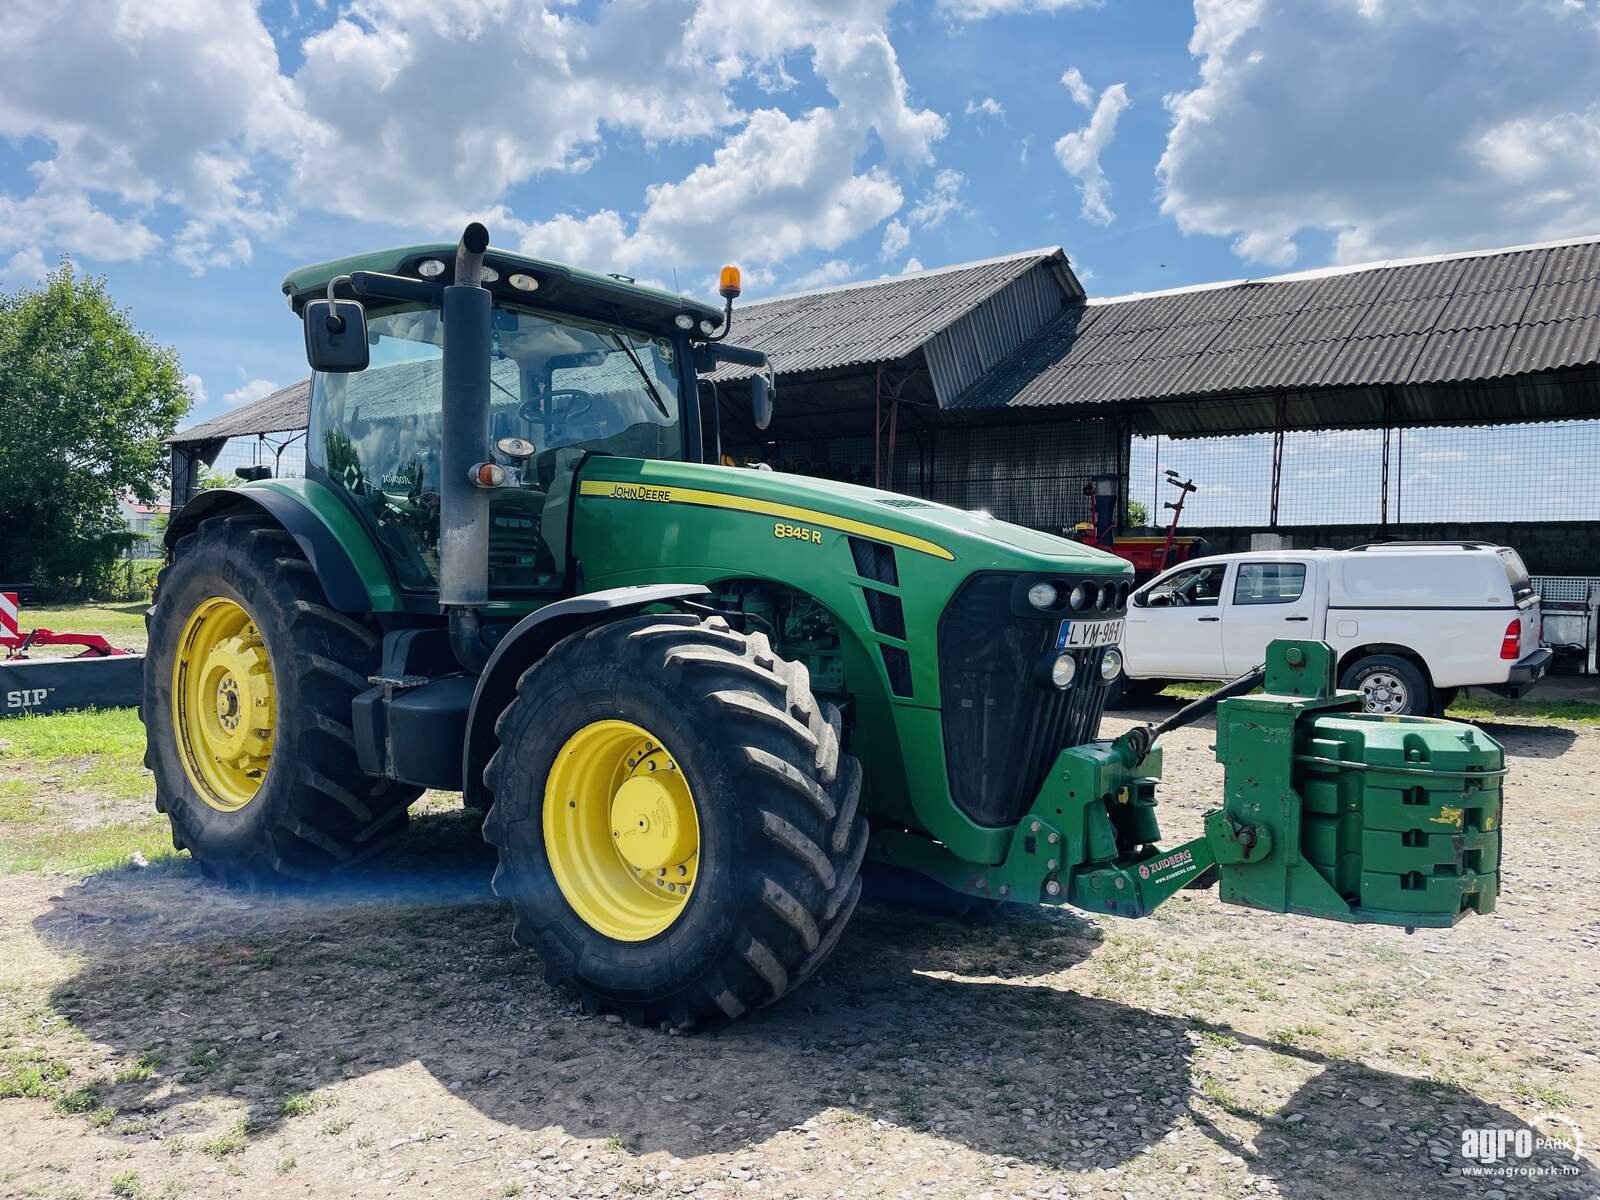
(1412, 622)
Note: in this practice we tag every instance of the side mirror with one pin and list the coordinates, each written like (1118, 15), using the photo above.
(336, 336)
(761, 399)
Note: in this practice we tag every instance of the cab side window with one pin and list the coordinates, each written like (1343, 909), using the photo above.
(1198, 587)
(1269, 583)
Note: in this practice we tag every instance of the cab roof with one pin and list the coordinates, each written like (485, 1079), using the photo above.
(571, 289)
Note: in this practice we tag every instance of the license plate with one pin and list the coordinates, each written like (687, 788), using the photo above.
(1075, 635)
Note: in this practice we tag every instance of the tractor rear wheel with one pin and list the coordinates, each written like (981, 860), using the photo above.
(248, 686)
(679, 831)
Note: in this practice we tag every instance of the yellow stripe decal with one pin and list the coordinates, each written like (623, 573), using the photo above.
(663, 494)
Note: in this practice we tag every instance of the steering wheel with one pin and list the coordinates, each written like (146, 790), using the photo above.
(580, 403)
(1178, 600)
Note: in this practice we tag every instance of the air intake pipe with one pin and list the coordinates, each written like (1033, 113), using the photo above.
(463, 505)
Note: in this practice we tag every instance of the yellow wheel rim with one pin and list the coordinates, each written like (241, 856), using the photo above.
(223, 708)
(620, 830)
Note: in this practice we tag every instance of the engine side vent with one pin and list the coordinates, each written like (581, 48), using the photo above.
(898, 664)
(874, 561)
(888, 617)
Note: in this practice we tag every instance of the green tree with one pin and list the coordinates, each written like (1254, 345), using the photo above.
(86, 401)
(1138, 514)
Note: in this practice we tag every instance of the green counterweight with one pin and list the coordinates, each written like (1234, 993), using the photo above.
(1328, 812)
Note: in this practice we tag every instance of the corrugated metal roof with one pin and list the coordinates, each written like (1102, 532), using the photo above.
(881, 320)
(285, 409)
(1466, 318)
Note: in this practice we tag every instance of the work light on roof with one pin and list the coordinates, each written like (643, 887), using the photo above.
(683, 321)
(430, 268)
(524, 283)
(708, 327)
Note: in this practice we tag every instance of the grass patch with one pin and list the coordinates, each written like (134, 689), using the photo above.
(301, 1104)
(100, 752)
(110, 735)
(225, 1145)
(77, 1103)
(83, 851)
(31, 1077)
(1481, 706)
(127, 1186)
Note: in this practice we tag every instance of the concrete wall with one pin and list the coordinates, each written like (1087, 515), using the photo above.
(1548, 547)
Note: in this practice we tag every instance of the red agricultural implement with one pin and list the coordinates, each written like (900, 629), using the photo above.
(1150, 553)
(98, 676)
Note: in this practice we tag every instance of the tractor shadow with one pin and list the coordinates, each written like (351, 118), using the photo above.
(920, 1021)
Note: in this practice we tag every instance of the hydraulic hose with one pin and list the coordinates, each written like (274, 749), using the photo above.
(1134, 746)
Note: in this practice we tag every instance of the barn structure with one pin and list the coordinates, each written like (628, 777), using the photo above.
(1446, 397)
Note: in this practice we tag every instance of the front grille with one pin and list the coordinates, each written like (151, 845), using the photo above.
(1002, 730)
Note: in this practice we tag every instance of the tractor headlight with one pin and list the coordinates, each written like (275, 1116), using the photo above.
(1043, 595)
(1083, 596)
(684, 322)
(1111, 664)
(1062, 671)
(708, 327)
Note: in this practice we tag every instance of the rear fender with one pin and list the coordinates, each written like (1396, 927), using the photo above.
(529, 641)
(336, 571)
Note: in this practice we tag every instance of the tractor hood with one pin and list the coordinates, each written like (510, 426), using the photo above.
(978, 542)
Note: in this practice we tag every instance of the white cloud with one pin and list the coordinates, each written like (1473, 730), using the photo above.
(912, 264)
(834, 271)
(26, 266)
(196, 387)
(1072, 79)
(978, 10)
(142, 105)
(940, 202)
(896, 237)
(987, 107)
(1413, 127)
(1079, 151)
(249, 393)
(432, 112)
(404, 113)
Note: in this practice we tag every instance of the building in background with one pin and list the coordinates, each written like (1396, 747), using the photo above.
(1447, 397)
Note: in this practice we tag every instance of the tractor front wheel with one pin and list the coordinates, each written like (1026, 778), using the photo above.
(678, 827)
(247, 702)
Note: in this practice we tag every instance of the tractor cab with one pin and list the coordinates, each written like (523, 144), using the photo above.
(578, 364)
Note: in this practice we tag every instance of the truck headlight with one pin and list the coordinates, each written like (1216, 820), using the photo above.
(1043, 595)
(1111, 664)
(1062, 671)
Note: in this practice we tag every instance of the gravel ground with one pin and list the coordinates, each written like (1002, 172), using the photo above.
(382, 1038)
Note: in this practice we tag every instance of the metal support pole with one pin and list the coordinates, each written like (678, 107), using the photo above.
(1383, 496)
(877, 423)
(1277, 462)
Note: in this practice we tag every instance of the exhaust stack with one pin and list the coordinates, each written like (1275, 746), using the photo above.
(463, 506)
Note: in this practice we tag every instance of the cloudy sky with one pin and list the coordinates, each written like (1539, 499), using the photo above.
(195, 150)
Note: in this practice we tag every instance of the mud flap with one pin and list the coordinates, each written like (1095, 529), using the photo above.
(52, 685)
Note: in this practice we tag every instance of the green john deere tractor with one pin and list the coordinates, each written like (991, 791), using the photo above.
(694, 699)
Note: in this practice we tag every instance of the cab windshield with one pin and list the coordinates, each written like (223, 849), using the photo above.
(561, 383)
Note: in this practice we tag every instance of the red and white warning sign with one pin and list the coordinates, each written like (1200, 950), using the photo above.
(8, 614)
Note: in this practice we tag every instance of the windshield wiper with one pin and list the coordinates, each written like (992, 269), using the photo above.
(638, 366)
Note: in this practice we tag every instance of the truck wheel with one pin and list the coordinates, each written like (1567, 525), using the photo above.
(679, 832)
(247, 690)
(1389, 685)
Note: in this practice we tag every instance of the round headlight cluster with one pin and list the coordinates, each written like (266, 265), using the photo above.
(1043, 595)
(1062, 670)
(1083, 596)
(1111, 664)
